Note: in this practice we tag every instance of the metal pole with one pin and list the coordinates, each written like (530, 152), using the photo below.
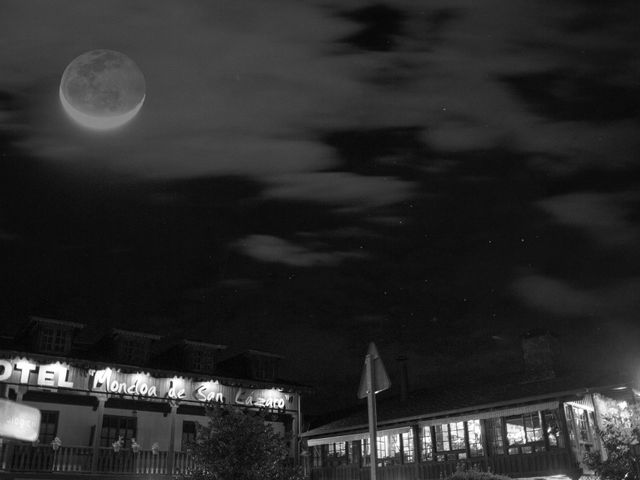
(371, 401)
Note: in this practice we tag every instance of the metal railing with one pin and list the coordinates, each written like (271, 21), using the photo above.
(20, 457)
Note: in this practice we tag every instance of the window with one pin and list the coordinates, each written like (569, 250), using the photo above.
(114, 427)
(554, 433)
(133, 350)
(450, 438)
(524, 433)
(201, 360)
(338, 449)
(188, 433)
(495, 442)
(442, 438)
(53, 340)
(48, 426)
(426, 444)
(583, 426)
(316, 456)
(337, 453)
(475, 438)
(265, 368)
(389, 449)
(365, 450)
(352, 449)
(406, 439)
(456, 433)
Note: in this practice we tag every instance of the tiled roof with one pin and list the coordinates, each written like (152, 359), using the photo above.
(461, 398)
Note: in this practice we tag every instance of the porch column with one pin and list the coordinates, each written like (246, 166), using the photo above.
(172, 440)
(102, 399)
(20, 391)
(417, 444)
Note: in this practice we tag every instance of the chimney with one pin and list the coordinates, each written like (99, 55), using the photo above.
(539, 352)
(404, 378)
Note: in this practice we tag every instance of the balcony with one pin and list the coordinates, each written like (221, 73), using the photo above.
(19, 457)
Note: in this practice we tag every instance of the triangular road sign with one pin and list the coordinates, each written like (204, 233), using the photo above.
(380, 378)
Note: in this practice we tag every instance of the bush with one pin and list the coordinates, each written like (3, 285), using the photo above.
(464, 472)
(473, 473)
(620, 436)
(239, 445)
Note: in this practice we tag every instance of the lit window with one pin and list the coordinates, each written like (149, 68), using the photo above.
(475, 438)
(524, 433)
(408, 455)
(442, 438)
(456, 431)
(338, 449)
(115, 427)
(389, 449)
(365, 450)
(337, 453)
(426, 444)
(583, 426)
(554, 433)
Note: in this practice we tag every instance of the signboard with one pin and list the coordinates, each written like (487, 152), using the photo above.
(19, 421)
(380, 378)
(140, 385)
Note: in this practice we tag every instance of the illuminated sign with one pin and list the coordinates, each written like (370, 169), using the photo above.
(19, 421)
(261, 398)
(139, 385)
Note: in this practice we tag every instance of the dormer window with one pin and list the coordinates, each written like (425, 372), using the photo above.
(201, 360)
(133, 350)
(201, 356)
(53, 339)
(265, 369)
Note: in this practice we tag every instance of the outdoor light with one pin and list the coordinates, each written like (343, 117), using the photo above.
(155, 448)
(56, 443)
(135, 447)
(117, 445)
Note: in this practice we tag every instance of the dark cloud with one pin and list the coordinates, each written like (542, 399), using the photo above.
(379, 25)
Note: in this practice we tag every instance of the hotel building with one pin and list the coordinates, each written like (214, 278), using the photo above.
(129, 403)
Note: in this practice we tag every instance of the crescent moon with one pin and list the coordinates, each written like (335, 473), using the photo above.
(102, 122)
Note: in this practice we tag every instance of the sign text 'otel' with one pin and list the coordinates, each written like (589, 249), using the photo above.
(113, 381)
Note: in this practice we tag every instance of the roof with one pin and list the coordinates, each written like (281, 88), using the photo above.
(264, 354)
(53, 321)
(131, 333)
(204, 344)
(458, 399)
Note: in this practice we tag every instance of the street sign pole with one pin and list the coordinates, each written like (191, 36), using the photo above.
(371, 403)
(374, 379)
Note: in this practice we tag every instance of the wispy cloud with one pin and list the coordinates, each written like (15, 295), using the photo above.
(603, 216)
(618, 301)
(341, 189)
(267, 248)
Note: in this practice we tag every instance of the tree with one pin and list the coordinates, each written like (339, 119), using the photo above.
(238, 445)
(620, 434)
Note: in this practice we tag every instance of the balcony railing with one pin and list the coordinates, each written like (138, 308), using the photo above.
(17, 457)
(523, 465)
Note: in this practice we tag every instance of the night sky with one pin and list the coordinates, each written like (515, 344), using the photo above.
(305, 177)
